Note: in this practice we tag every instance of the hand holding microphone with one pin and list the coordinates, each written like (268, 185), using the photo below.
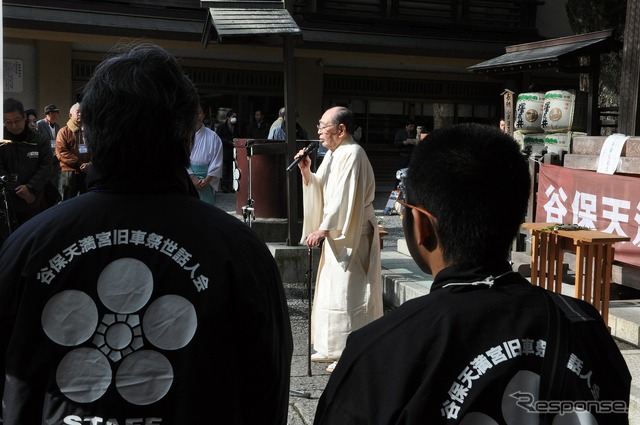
(306, 152)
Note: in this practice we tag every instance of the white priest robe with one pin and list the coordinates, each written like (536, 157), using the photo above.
(348, 295)
(206, 153)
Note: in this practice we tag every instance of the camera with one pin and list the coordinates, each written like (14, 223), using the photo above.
(5, 179)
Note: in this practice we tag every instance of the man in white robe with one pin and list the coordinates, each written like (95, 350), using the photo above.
(338, 210)
(206, 161)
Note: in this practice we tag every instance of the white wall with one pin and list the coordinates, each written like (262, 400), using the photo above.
(1, 44)
(24, 51)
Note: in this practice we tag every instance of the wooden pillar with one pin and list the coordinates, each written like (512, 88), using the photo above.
(443, 115)
(629, 117)
(593, 114)
(293, 229)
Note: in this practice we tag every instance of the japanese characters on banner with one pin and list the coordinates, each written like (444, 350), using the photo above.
(607, 203)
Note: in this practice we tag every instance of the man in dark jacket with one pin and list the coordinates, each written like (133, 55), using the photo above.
(49, 124)
(405, 140)
(50, 127)
(258, 128)
(25, 162)
(137, 302)
(227, 131)
(485, 346)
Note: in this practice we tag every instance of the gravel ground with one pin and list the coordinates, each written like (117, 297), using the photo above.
(391, 223)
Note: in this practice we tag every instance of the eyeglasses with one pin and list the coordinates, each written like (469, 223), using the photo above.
(322, 127)
(14, 122)
(403, 207)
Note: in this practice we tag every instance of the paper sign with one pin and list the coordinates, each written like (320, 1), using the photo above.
(13, 76)
(610, 153)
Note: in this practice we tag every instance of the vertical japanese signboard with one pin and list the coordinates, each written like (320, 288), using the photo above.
(12, 75)
(507, 98)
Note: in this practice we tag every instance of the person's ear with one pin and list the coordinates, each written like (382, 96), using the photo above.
(424, 231)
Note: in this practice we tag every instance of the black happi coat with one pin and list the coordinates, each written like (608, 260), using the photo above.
(25, 160)
(473, 354)
(129, 305)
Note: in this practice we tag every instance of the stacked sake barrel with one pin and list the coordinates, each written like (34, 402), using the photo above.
(549, 121)
(528, 116)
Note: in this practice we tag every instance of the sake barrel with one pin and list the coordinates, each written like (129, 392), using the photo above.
(535, 141)
(529, 112)
(564, 110)
(558, 142)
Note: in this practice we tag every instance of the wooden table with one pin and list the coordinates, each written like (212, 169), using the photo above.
(594, 258)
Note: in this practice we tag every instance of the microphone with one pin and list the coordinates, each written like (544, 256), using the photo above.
(308, 150)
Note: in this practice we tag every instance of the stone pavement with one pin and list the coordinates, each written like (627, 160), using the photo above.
(402, 280)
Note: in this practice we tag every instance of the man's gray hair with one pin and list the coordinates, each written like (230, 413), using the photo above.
(345, 116)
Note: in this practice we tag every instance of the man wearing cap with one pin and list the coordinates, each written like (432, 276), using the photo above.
(74, 156)
(49, 124)
(49, 127)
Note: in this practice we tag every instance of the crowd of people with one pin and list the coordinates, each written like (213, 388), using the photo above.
(62, 174)
(41, 163)
(140, 303)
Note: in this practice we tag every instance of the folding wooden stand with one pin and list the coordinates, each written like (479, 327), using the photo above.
(594, 258)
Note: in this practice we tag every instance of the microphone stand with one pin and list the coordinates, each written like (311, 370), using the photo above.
(248, 210)
(6, 209)
(308, 274)
(308, 277)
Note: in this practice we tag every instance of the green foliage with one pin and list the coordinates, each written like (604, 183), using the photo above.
(596, 15)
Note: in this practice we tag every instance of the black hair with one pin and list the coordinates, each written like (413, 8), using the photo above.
(13, 105)
(230, 112)
(139, 113)
(345, 116)
(475, 181)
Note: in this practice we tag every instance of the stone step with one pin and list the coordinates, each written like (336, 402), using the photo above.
(626, 165)
(403, 248)
(592, 145)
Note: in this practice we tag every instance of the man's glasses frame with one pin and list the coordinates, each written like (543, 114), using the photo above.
(404, 206)
(14, 122)
(323, 127)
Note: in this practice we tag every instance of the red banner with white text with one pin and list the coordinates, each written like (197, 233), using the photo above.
(607, 203)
